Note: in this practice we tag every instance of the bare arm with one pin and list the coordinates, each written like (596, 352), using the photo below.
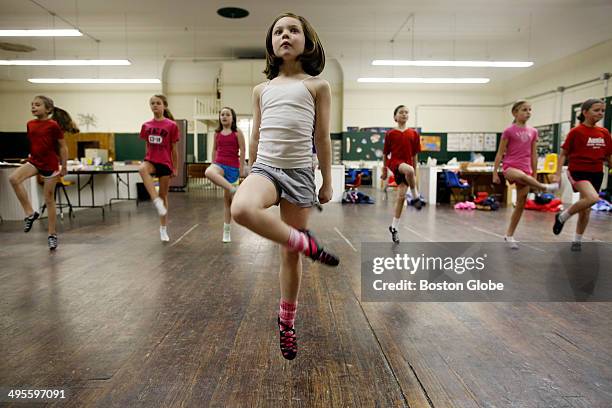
(63, 152)
(562, 156)
(174, 159)
(501, 150)
(322, 138)
(534, 158)
(256, 123)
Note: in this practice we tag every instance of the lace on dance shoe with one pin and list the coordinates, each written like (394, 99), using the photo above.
(52, 240)
(29, 221)
(394, 235)
(318, 253)
(288, 340)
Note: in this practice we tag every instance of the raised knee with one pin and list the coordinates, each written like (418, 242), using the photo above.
(13, 180)
(209, 171)
(593, 198)
(241, 213)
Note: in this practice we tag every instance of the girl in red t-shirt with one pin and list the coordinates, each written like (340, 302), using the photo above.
(587, 146)
(46, 136)
(161, 135)
(228, 162)
(401, 148)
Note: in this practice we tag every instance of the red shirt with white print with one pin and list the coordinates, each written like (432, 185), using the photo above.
(587, 148)
(160, 135)
(401, 146)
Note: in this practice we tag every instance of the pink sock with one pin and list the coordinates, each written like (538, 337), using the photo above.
(287, 312)
(298, 241)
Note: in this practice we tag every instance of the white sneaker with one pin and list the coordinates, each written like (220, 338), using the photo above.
(226, 236)
(159, 205)
(163, 235)
(513, 242)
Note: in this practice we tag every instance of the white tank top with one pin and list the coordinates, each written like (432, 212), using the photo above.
(287, 126)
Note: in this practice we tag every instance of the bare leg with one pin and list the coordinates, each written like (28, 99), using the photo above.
(583, 221)
(16, 178)
(520, 177)
(215, 174)
(145, 169)
(588, 197)
(164, 186)
(49, 194)
(291, 266)
(401, 198)
(248, 209)
(227, 203)
(521, 198)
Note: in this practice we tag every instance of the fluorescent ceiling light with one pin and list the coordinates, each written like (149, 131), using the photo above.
(93, 81)
(64, 62)
(424, 80)
(482, 64)
(40, 33)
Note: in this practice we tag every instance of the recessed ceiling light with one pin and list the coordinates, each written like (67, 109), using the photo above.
(94, 81)
(424, 80)
(483, 64)
(40, 33)
(64, 62)
(232, 12)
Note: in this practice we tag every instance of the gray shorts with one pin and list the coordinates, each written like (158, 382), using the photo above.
(294, 185)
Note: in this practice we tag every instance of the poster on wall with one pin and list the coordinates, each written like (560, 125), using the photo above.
(465, 142)
(431, 143)
(478, 142)
(490, 142)
(452, 142)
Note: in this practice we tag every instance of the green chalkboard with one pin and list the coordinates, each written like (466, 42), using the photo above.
(129, 146)
(369, 146)
(548, 139)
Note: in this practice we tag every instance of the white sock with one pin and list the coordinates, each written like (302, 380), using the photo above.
(226, 227)
(551, 187)
(163, 228)
(395, 223)
(577, 238)
(564, 216)
(509, 238)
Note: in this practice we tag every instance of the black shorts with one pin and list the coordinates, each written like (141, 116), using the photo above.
(161, 170)
(43, 173)
(595, 178)
(399, 176)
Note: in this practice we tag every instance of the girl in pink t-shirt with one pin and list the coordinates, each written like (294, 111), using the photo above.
(518, 149)
(161, 135)
(228, 162)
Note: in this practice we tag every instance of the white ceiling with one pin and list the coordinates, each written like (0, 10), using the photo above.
(353, 31)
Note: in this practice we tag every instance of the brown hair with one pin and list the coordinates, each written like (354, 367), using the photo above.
(517, 105)
(313, 57)
(397, 109)
(234, 127)
(586, 105)
(167, 113)
(59, 115)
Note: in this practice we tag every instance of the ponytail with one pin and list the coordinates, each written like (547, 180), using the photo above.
(168, 114)
(64, 120)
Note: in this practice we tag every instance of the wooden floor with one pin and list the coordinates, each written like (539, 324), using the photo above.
(124, 321)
